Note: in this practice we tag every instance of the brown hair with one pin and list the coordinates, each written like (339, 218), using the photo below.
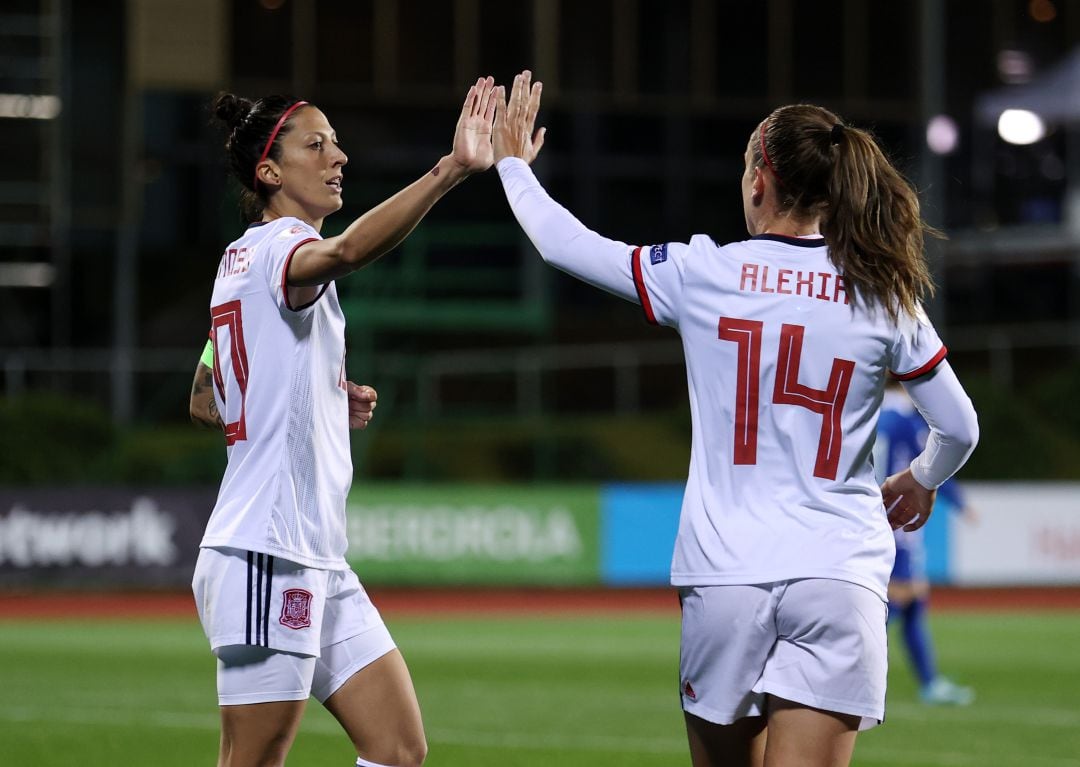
(249, 125)
(869, 212)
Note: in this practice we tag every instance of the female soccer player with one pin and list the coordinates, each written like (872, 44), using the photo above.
(284, 614)
(784, 544)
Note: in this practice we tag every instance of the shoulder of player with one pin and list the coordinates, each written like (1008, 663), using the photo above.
(288, 228)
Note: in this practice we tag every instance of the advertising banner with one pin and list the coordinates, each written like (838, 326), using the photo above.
(93, 537)
(472, 535)
(640, 522)
(1022, 534)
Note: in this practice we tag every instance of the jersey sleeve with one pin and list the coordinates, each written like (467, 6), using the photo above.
(658, 279)
(954, 426)
(917, 348)
(282, 245)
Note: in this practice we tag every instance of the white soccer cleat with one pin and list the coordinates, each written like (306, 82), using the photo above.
(945, 692)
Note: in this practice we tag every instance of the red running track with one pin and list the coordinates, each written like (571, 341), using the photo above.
(432, 602)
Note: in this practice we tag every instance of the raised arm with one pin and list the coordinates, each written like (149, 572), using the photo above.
(387, 224)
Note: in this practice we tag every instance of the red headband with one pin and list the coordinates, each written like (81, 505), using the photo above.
(273, 135)
(765, 156)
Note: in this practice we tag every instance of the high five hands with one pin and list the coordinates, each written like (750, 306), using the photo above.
(491, 128)
(472, 138)
(514, 134)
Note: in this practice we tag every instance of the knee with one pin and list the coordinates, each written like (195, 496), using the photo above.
(414, 754)
(269, 754)
(410, 752)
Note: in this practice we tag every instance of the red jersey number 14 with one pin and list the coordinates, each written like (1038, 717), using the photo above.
(787, 390)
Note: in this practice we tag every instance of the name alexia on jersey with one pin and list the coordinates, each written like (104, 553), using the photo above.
(824, 286)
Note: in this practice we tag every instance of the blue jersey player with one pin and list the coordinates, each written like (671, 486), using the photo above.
(900, 437)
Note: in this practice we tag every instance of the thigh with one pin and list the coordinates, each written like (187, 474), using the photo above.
(258, 735)
(377, 706)
(740, 744)
(831, 652)
(728, 633)
(262, 694)
(799, 736)
(363, 681)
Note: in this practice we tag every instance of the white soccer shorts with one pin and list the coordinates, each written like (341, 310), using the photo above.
(818, 642)
(282, 631)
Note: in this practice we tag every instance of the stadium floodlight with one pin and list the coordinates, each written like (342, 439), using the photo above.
(27, 275)
(942, 135)
(1020, 126)
(29, 106)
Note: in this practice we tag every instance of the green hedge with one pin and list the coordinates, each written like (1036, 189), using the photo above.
(1033, 434)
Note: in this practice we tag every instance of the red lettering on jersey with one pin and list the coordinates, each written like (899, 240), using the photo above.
(782, 280)
(787, 390)
(824, 276)
(828, 402)
(234, 261)
(839, 289)
(765, 281)
(755, 278)
(807, 282)
(747, 335)
(228, 318)
(749, 273)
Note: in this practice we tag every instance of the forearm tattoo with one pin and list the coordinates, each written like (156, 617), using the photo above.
(204, 408)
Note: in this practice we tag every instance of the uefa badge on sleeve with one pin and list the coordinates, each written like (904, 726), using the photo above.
(296, 609)
(658, 254)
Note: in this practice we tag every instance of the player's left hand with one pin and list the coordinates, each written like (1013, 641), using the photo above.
(515, 119)
(472, 138)
(362, 401)
(908, 502)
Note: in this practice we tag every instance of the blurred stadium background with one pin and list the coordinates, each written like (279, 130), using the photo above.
(531, 432)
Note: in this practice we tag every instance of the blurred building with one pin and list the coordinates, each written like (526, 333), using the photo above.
(114, 202)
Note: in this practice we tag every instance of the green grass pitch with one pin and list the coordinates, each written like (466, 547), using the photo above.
(513, 690)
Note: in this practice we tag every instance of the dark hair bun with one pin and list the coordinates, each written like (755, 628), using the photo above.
(231, 109)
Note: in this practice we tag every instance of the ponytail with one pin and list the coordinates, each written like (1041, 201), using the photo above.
(869, 213)
(874, 229)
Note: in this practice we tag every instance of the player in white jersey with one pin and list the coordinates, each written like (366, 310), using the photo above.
(785, 538)
(285, 616)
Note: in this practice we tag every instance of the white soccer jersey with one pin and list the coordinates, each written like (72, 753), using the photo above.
(280, 386)
(785, 380)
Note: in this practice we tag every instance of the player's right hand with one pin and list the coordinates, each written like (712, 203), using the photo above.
(472, 138)
(908, 503)
(362, 402)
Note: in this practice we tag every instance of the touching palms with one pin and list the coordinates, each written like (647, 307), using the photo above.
(472, 137)
(515, 120)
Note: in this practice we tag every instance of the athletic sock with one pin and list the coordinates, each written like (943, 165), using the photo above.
(917, 640)
(365, 763)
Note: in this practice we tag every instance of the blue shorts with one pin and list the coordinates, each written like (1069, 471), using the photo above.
(910, 564)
